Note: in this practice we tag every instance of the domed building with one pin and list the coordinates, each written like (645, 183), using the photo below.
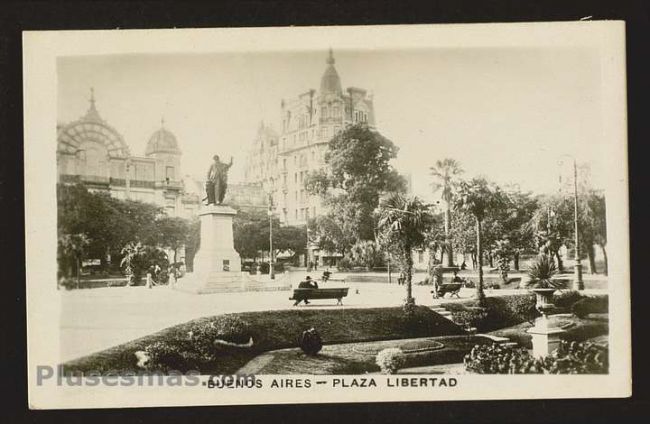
(92, 152)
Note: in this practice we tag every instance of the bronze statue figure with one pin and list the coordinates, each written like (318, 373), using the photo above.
(217, 181)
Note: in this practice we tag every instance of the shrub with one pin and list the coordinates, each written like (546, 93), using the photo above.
(310, 342)
(497, 359)
(578, 358)
(569, 358)
(409, 310)
(566, 299)
(227, 327)
(344, 263)
(166, 356)
(497, 312)
(470, 317)
(390, 360)
(590, 305)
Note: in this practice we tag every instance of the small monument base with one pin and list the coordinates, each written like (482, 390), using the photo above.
(545, 339)
(217, 265)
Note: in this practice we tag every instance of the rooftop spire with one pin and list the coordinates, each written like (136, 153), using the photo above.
(162, 122)
(330, 82)
(92, 114)
(330, 57)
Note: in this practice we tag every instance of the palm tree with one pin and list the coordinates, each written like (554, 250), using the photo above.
(445, 174)
(403, 225)
(478, 197)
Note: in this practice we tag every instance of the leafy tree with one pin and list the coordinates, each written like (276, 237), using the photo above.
(504, 253)
(329, 233)
(71, 251)
(445, 174)
(478, 197)
(108, 223)
(173, 233)
(289, 238)
(357, 173)
(192, 243)
(598, 222)
(463, 234)
(367, 253)
(138, 258)
(403, 225)
(251, 233)
(514, 218)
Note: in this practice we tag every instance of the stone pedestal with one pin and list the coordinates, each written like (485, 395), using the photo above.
(217, 265)
(545, 338)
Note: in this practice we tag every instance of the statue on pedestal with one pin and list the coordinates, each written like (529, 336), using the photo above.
(217, 181)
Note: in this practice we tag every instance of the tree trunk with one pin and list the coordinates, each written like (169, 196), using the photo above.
(516, 261)
(450, 251)
(592, 259)
(473, 256)
(602, 247)
(490, 259)
(409, 271)
(560, 264)
(480, 295)
(78, 261)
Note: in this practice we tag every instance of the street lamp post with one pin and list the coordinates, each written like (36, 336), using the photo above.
(271, 272)
(578, 283)
(307, 243)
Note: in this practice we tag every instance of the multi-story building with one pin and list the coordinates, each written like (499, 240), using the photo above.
(282, 162)
(92, 152)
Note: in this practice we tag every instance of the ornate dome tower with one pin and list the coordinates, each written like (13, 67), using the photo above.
(163, 147)
(87, 146)
(330, 83)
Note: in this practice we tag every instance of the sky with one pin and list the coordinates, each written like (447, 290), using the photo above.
(509, 114)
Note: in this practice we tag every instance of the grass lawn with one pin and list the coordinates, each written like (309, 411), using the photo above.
(272, 330)
(359, 358)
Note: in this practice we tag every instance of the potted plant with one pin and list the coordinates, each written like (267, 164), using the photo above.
(541, 283)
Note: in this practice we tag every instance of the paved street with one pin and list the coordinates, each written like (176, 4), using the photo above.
(96, 319)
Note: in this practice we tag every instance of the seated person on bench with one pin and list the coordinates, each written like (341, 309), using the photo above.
(307, 283)
(456, 278)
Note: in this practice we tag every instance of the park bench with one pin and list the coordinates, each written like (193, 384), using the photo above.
(451, 288)
(334, 280)
(309, 294)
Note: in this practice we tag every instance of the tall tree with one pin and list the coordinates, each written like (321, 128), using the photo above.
(330, 234)
(445, 174)
(173, 233)
(478, 197)
(357, 172)
(403, 226)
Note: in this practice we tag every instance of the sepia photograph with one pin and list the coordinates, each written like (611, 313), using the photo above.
(330, 213)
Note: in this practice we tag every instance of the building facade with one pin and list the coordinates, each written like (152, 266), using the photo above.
(92, 152)
(280, 161)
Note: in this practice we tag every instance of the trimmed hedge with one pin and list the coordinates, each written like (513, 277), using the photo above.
(496, 312)
(506, 311)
